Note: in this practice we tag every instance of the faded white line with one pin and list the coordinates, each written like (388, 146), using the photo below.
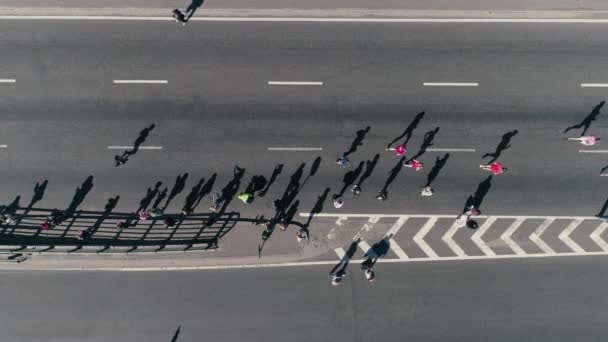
(310, 19)
(140, 81)
(289, 264)
(525, 217)
(132, 147)
(7, 80)
(3, 146)
(594, 85)
(295, 83)
(449, 84)
(295, 149)
(340, 252)
(592, 151)
(450, 150)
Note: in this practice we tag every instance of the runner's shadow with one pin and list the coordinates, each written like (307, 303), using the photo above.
(176, 334)
(603, 209)
(316, 209)
(480, 193)
(192, 197)
(150, 194)
(178, 187)
(275, 173)
(193, 7)
(369, 168)
(439, 163)
(79, 196)
(340, 267)
(427, 142)
(38, 194)
(349, 178)
(392, 174)
(291, 191)
(313, 170)
(586, 123)
(357, 142)
(110, 205)
(377, 251)
(502, 145)
(408, 131)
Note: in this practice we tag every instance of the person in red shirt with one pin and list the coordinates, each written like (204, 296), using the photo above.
(414, 164)
(496, 168)
(588, 140)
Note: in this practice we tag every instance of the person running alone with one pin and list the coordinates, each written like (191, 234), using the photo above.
(496, 168)
(588, 140)
(414, 164)
(179, 16)
(400, 150)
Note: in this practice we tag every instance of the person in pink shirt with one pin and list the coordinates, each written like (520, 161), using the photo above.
(399, 150)
(496, 168)
(588, 140)
(414, 164)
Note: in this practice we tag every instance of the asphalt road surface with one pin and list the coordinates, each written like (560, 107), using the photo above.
(548, 300)
(217, 109)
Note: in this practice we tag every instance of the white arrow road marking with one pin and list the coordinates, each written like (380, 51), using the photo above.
(506, 236)
(479, 233)
(595, 236)
(447, 238)
(340, 252)
(565, 236)
(419, 238)
(391, 242)
(535, 236)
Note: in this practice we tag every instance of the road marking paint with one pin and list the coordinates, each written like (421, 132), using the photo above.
(449, 84)
(395, 227)
(7, 80)
(141, 81)
(3, 146)
(447, 238)
(419, 238)
(535, 236)
(596, 236)
(525, 217)
(397, 249)
(295, 149)
(592, 151)
(368, 250)
(340, 252)
(479, 233)
(450, 150)
(132, 147)
(306, 83)
(594, 85)
(565, 236)
(332, 233)
(506, 236)
(309, 19)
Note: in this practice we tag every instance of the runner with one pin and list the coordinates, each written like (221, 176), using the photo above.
(496, 168)
(356, 189)
(415, 164)
(427, 191)
(382, 194)
(338, 203)
(179, 16)
(343, 161)
(588, 140)
(400, 150)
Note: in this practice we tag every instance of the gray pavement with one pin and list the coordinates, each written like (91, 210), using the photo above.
(556, 300)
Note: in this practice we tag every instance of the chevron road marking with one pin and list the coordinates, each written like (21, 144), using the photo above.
(367, 249)
(506, 236)
(419, 238)
(447, 238)
(340, 252)
(391, 242)
(479, 233)
(595, 236)
(535, 236)
(565, 236)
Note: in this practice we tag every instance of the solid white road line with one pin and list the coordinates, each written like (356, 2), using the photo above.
(447, 238)
(535, 236)
(131, 147)
(7, 80)
(506, 236)
(141, 81)
(449, 84)
(594, 85)
(340, 252)
(419, 238)
(307, 83)
(592, 151)
(479, 233)
(450, 150)
(295, 149)
(525, 217)
(565, 236)
(596, 236)
(310, 19)
(3, 146)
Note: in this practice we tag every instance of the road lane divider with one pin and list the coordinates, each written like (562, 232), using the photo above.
(140, 81)
(295, 83)
(7, 80)
(450, 84)
(295, 149)
(594, 85)
(450, 150)
(592, 151)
